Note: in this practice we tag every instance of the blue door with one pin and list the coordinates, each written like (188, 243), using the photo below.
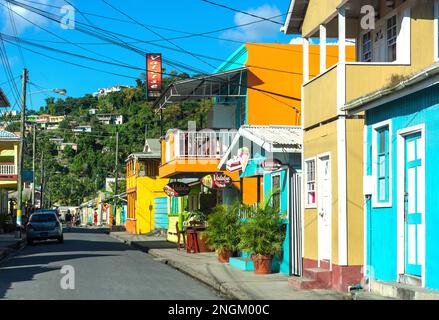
(412, 208)
(161, 213)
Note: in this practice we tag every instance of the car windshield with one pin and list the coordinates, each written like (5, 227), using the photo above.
(46, 217)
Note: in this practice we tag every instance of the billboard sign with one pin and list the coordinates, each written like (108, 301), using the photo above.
(154, 75)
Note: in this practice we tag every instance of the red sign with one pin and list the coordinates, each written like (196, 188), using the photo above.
(177, 189)
(154, 74)
(216, 181)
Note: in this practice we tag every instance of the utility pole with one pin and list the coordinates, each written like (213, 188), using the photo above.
(34, 147)
(42, 181)
(116, 177)
(21, 155)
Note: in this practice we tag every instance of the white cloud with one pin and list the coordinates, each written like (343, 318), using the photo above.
(257, 31)
(21, 14)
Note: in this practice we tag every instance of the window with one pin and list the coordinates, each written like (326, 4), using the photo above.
(392, 34)
(311, 182)
(383, 165)
(276, 195)
(366, 49)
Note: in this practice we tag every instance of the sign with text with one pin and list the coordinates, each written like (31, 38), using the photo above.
(271, 165)
(216, 181)
(154, 75)
(177, 189)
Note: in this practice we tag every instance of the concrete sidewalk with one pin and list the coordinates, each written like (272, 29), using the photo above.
(234, 283)
(8, 244)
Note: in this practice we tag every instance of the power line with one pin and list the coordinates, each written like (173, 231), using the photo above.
(243, 12)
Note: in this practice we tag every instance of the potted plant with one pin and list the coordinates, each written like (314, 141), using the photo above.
(262, 236)
(223, 231)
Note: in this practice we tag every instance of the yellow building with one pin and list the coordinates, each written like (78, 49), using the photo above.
(8, 166)
(395, 39)
(145, 190)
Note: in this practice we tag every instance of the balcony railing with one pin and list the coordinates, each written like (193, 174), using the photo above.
(8, 169)
(209, 144)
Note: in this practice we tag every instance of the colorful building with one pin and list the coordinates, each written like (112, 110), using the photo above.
(9, 143)
(401, 107)
(144, 189)
(332, 147)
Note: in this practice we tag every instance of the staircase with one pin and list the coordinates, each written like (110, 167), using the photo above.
(313, 278)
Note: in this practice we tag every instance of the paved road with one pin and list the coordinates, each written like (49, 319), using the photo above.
(104, 269)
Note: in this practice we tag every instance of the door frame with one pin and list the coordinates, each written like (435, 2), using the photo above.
(401, 135)
(318, 159)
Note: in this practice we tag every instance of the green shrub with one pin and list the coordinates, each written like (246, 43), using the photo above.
(223, 228)
(263, 232)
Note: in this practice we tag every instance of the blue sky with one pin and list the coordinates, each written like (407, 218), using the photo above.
(193, 16)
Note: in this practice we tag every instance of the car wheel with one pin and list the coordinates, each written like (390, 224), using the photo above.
(61, 239)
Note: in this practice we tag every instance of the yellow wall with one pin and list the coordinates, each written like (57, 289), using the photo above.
(10, 145)
(147, 189)
(354, 142)
(319, 141)
(318, 11)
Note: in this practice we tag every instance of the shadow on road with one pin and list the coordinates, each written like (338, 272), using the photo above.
(145, 246)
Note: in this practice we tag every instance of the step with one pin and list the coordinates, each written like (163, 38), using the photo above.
(325, 264)
(411, 280)
(241, 263)
(305, 283)
(322, 275)
(403, 291)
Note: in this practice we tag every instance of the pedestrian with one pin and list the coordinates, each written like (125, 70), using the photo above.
(95, 218)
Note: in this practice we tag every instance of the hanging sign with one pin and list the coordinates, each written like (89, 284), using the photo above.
(154, 75)
(271, 165)
(240, 161)
(216, 181)
(177, 189)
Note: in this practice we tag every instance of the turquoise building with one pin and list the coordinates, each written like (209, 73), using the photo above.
(401, 202)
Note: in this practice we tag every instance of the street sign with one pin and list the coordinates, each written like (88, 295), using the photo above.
(271, 165)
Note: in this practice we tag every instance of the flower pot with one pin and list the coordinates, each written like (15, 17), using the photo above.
(224, 256)
(262, 263)
(202, 243)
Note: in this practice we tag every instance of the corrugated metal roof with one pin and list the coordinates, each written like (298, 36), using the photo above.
(286, 137)
(6, 135)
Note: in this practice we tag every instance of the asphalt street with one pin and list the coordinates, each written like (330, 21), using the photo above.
(103, 268)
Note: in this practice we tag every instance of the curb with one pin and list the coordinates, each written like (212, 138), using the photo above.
(225, 289)
(5, 252)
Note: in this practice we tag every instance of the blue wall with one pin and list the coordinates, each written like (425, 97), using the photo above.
(161, 213)
(418, 108)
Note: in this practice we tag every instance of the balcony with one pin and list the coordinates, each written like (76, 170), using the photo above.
(8, 173)
(193, 153)
(344, 83)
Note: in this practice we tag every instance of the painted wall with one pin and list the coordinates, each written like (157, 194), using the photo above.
(148, 188)
(415, 109)
(318, 11)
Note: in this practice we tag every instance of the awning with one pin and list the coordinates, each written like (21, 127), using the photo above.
(4, 102)
(224, 84)
(273, 139)
(295, 17)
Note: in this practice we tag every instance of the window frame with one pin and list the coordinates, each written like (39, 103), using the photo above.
(394, 38)
(370, 51)
(278, 193)
(309, 205)
(376, 154)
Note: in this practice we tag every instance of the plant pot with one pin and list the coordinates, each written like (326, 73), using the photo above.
(202, 242)
(224, 256)
(262, 263)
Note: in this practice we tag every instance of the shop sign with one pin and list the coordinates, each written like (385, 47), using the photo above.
(240, 161)
(271, 165)
(216, 181)
(177, 189)
(154, 75)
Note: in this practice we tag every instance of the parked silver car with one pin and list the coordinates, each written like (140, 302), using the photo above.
(44, 225)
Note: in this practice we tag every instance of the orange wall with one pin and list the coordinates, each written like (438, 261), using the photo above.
(250, 191)
(276, 76)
